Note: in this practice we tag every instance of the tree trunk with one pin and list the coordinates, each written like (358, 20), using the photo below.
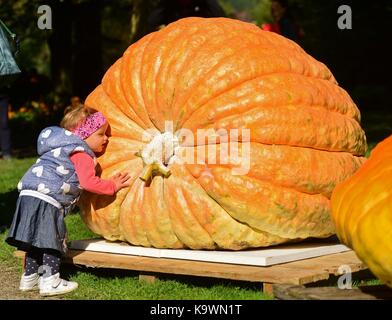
(60, 43)
(87, 64)
(140, 13)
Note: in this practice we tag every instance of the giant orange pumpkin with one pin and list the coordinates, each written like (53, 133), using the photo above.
(221, 76)
(362, 211)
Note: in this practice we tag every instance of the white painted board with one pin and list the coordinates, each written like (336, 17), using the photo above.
(255, 257)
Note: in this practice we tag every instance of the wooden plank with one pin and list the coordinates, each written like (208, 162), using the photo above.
(329, 264)
(332, 263)
(183, 267)
(299, 272)
(19, 254)
(268, 288)
(293, 292)
(147, 278)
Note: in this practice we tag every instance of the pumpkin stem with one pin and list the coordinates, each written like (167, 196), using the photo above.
(146, 173)
(149, 170)
(157, 154)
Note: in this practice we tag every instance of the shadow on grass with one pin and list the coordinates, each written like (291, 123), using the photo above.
(7, 208)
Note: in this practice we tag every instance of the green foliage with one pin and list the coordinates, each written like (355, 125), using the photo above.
(32, 121)
(262, 12)
(258, 11)
(34, 51)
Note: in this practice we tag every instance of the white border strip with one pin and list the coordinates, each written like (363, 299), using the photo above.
(256, 257)
(41, 196)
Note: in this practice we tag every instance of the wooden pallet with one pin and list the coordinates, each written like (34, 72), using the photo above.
(294, 273)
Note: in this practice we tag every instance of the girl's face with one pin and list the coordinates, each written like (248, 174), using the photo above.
(98, 140)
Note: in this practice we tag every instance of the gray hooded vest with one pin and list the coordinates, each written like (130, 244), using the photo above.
(53, 175)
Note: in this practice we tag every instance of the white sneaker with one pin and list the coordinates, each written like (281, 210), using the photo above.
(54, 285)
(29, 283)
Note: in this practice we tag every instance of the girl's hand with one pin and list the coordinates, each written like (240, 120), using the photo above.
(121, 180)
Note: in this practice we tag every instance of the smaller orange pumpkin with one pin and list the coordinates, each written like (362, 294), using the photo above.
(362, 211)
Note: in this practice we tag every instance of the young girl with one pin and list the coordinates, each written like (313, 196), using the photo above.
(50, 189)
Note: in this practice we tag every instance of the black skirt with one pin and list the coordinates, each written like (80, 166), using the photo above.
(38, 224)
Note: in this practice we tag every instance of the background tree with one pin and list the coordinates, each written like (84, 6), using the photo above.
(141, 10)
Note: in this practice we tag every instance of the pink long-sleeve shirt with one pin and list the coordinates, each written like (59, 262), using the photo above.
(85, 170)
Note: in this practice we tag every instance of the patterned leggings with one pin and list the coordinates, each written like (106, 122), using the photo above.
(44, 261)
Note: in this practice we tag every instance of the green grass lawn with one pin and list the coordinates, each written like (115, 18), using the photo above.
(110, 283)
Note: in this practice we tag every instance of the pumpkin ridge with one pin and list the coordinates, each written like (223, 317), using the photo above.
(184, 120)
(126, 224)
(273, 163)
(115, 150)
(278, 185)
(254, 105)
(223, 189)
(270, 181)
(154, 54)
(300, 107)
(286, 144)
(105, 225)
(267, 180)
(149, 219)
(246, 222)
(175, 104)
(111, 82)
(233, 36)
(171, 62)
(179, 228)
(111, 166)
(177, 242)
(196, 217)
(139, 215)
(143, 87)
(351, 164)
(317, 133)
(255, 85)
(102, 102)
(129, 67)
(272, 37)
(301, 57)
(277, 238)
(301, 54)
(184, 228)
(179, 121)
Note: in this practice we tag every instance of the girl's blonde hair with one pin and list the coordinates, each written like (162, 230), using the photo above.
(74, 116)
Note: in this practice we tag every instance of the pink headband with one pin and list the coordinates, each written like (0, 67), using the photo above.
(92, 123)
